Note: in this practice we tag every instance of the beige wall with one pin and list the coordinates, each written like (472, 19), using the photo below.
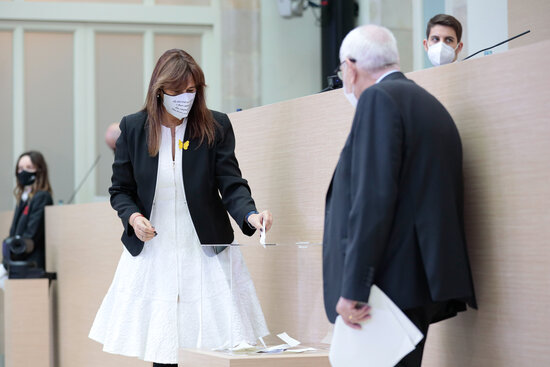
(87, 1)
(504, 127)
(119, 91)
(189, 43)
(49, 105)
(241, 32)
(528, 14)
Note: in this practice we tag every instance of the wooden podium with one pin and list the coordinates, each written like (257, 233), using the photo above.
(27, 312)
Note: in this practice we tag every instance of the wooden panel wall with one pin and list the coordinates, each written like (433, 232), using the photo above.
(529, 14)
(501, 106)
(5, 223)
(83, 247)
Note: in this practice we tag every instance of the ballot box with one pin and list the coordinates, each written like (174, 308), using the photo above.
(258, 306)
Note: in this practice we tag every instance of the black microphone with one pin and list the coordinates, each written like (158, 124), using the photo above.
(84, 179)
(498, 44)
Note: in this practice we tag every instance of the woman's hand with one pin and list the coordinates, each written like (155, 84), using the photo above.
(142, 227)
(257, 220)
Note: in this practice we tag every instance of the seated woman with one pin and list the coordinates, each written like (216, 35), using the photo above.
(33, 192)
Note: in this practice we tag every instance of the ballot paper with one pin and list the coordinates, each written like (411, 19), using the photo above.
(287, 339)
(383, 340)
(262, 235)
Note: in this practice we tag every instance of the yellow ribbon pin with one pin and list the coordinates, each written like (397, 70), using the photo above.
(180, 144)
(186, 145)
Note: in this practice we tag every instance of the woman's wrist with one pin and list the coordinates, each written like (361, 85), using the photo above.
(133, 218)
(248, 216)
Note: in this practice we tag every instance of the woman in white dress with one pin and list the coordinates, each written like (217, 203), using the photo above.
(175, 177)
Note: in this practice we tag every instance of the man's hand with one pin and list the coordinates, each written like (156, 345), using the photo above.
(352, 312)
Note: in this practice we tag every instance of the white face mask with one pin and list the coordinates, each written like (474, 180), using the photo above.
(350, 96)
(180, 105)
(441, 54)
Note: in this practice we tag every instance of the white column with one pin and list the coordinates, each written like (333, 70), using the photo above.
(418, 34)
(364, 12)
(84, 113)
(18, 92)
(212, 58)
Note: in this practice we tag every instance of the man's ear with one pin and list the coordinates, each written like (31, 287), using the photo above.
(425, 43)
(458, 49)
(352, 70)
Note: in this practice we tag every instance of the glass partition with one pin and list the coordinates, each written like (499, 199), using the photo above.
(253, 298)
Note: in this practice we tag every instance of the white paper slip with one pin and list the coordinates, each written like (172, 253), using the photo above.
(274, 349)
(262, 235)
(383, 340)
(241, 347)
(287, 339)
(300, 350)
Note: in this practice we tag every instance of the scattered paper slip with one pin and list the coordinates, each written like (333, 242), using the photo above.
(300, 350)
(287, 339)
(241, 347)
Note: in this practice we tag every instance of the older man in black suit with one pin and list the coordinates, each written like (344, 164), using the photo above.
(394, 208)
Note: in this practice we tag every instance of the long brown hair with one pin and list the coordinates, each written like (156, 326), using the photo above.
(173, 68)
(42, 182)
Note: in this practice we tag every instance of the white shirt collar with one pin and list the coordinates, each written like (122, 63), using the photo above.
(385, 75)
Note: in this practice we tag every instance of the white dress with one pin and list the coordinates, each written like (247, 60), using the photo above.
(154, 305)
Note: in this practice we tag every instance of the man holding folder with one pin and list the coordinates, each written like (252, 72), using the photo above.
(394, 208)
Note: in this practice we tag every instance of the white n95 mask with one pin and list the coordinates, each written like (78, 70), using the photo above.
(441, 54)
(180, 105)
(350, 96)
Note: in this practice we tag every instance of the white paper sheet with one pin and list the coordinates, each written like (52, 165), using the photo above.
(262, 235)
(383, 340)
(287, 339)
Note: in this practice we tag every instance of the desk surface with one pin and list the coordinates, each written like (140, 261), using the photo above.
(202, 357)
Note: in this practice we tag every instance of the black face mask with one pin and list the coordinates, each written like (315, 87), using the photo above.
(26, 178)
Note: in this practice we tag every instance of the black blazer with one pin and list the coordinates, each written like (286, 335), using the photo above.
(28, 222)
(207, 173)
(394, 208)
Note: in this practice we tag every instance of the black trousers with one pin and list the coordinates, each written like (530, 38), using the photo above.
(164, 365)
(422, 317)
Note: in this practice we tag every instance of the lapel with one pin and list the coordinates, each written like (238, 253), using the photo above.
(189, 155)
(152, 164)
(18, 218)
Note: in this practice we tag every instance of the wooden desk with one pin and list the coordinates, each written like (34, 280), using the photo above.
(202, 358)
(27, 323)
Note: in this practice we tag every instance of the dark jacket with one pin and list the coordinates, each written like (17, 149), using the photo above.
(208, 172)
(394, 208)
(28, 222)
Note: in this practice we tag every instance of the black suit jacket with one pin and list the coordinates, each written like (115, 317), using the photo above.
(394, 208)
(28, 222)
(208, 171)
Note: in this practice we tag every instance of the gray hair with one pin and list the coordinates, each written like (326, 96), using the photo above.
(372, 47)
